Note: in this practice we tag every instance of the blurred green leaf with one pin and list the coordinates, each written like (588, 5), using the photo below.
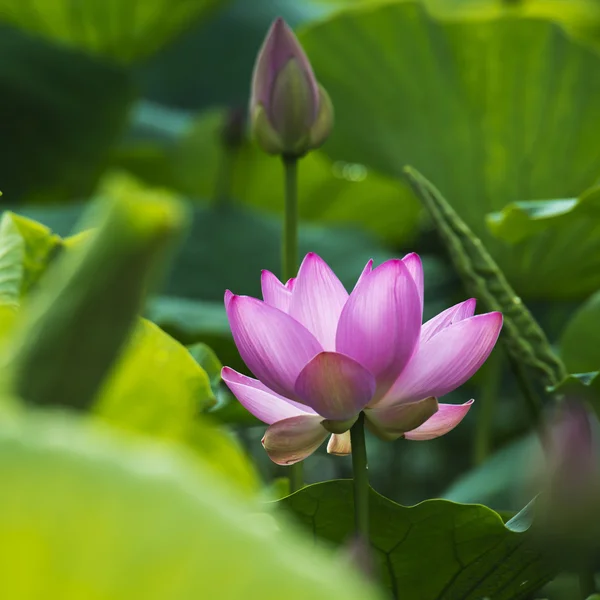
(81, 317)
(581, 17)
(580, 340)
(502, 479)
(223, 454)
(475, 554)
(493, 112)
(583, 386)
(192, 321)
(60, 113)
(329, 192)
(557, 241)
(89, 513)
(156, 387)
(205, 356)
(61, 219)
(224, 49)
(123, 31)
(26, 250)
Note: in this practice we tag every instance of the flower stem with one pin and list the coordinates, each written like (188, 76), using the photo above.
(290, 230)
(485, 416)
(587, 583)
(222, 192)
(361, 477)
(290, 263)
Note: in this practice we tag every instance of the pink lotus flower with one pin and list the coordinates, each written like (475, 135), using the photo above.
(322, 356)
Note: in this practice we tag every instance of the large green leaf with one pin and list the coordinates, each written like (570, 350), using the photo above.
(329, 192)
(156, 386)
(204, 323)
(220, 450)
(436, 550)
(220, 73)
(206, 357)
(124, 31)
(556, 240)
(494, 112)
(88, 513)
(580, 340)
(581, 17)
(26, 250)
(60, 113)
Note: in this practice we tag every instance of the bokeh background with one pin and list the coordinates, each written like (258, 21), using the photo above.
(497, 102)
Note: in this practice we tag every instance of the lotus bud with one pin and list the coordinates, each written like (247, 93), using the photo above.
(567, 510)
(290, 112)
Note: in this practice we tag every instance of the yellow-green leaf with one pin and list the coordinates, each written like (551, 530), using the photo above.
(88, 513)
(156, 387)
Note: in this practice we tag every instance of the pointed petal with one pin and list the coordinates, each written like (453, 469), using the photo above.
(447, 360)
(279, 47)
(292, 440)
(335, 386)
(228, 296)
(259, 400)
(392, 422)
(274, 292)
(414, 265)
(290, 284)
(339, 444)
(318, 299)
(445, 419)
(274, 346)
(380, 322)
(465, 310)
(454, 314)
(368, 268)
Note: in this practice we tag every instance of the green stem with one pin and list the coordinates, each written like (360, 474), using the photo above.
(290, 263)
(290, 230)
(587, 583)
(361, 477)
(296, 476)
(485, 415)
(224, 178)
